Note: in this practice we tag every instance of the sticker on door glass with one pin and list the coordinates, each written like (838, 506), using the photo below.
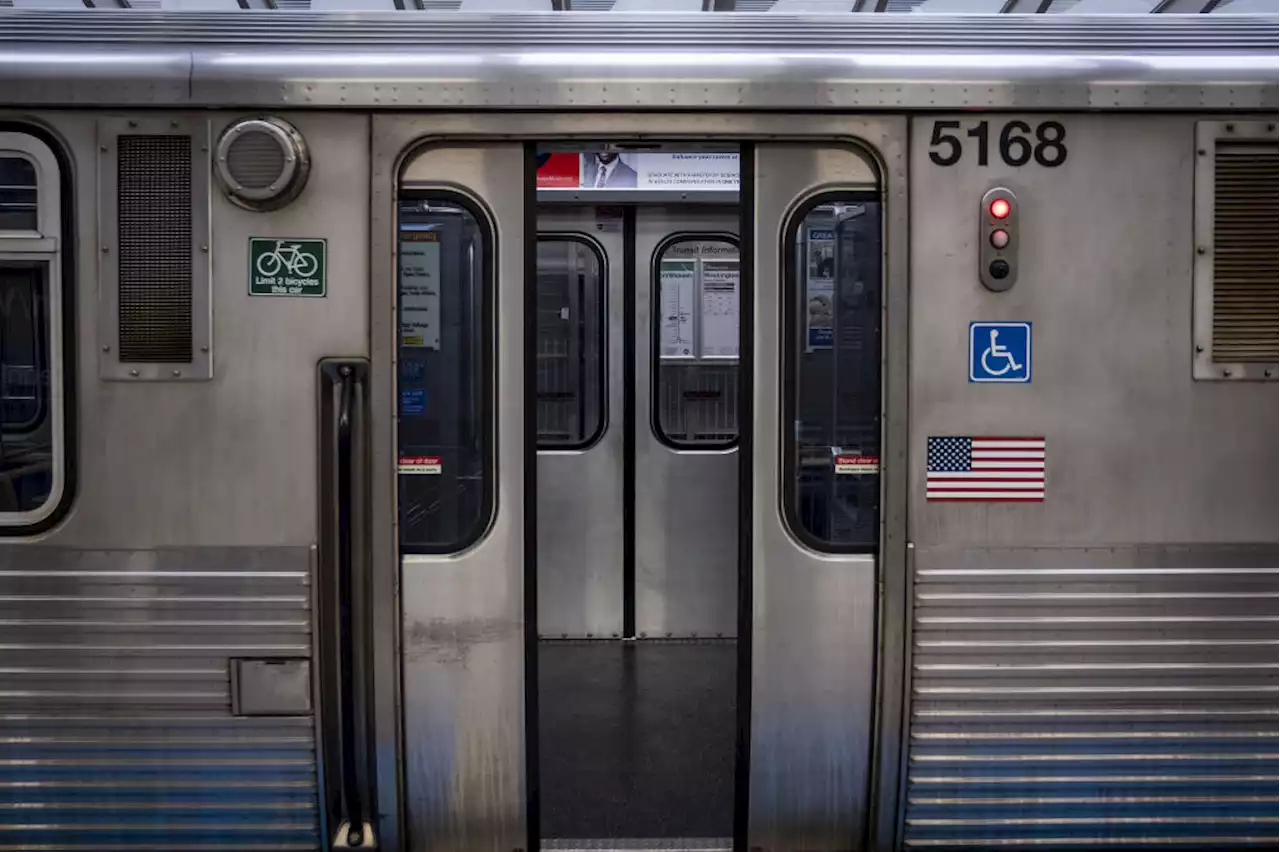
(420, 288)
(419, 465)
(849, 465)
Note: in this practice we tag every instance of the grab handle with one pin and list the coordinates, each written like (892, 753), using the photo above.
(345, 616)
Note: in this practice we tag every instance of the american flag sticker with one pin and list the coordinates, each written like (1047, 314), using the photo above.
(990, 469)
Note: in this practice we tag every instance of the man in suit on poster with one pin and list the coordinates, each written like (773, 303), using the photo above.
(606, 170)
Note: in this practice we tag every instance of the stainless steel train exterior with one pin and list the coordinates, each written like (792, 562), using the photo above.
(211, 636)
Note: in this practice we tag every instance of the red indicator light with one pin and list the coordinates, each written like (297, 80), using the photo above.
(1000, 209)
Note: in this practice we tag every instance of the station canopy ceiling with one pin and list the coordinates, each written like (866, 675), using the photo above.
(785, 7)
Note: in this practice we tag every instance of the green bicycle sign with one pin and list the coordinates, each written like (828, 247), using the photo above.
(286, 267)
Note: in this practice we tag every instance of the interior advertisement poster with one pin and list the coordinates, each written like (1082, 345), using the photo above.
(677, 308)
(719, 309)
(820, 243)
(641, 171)
(420, 289)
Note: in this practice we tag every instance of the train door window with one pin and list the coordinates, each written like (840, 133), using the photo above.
(444, 358)
(695, 389)
(32, 443)
(832, 402)
(570, 342)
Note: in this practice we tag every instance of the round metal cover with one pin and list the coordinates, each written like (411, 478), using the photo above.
(262, 163)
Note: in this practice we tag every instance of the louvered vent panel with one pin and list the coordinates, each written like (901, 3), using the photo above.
(116, 724)
(1093, 698)
(1245, 228)
(154, 219)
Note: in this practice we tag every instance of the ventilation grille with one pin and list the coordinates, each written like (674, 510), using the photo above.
(1245, 225)
(154, 214)
(255, 160)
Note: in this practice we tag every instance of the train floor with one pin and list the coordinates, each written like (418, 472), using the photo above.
(636, 742)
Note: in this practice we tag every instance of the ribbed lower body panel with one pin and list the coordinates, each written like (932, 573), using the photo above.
(1094, 698)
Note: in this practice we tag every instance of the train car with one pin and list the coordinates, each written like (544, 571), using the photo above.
(786, 433)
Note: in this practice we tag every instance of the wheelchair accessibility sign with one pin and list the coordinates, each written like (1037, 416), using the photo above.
(1000, 352)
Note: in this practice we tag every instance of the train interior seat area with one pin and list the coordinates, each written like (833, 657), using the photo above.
(637, 570)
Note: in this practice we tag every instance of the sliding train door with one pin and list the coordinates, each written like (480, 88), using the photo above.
(815, 449)
(460, 494)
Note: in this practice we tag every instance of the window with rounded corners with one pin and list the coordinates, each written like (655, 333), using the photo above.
(34, 357)
(695, 338)
(831, 398)
(444, 382)
(571, 350)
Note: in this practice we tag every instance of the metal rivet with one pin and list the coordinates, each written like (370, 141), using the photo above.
(102, 148)
(1231, 128)
(133, 123)
(106, 347)
(1267, 373)
(204, 348)
(1200, 249)
(173, 124)
(1199, 348)
(1226, 373)
(1271, 128)
(204, 249)
(177, 373)
(133, 373)
(105, 249)
(344, 371)
(1201, 151)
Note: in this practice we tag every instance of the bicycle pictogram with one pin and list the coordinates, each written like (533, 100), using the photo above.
(289, 257)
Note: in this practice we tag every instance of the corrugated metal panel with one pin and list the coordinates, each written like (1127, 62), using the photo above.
(115, 710)
(1092, 698)
(1129, 34)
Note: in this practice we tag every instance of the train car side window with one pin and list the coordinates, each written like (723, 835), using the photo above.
(32, 417)
(445, 366)
(570, 342)
(695, 341)
(18, 193)
(831, 395)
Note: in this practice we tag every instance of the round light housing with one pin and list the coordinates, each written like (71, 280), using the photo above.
(999, 238)
(1000, 209)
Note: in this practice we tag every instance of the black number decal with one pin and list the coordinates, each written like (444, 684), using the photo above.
(1008, 142)
(979, 132)
(1051, 148)
(940, 138)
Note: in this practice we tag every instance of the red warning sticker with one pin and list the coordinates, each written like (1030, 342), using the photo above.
(419, 464)
(857, 465)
